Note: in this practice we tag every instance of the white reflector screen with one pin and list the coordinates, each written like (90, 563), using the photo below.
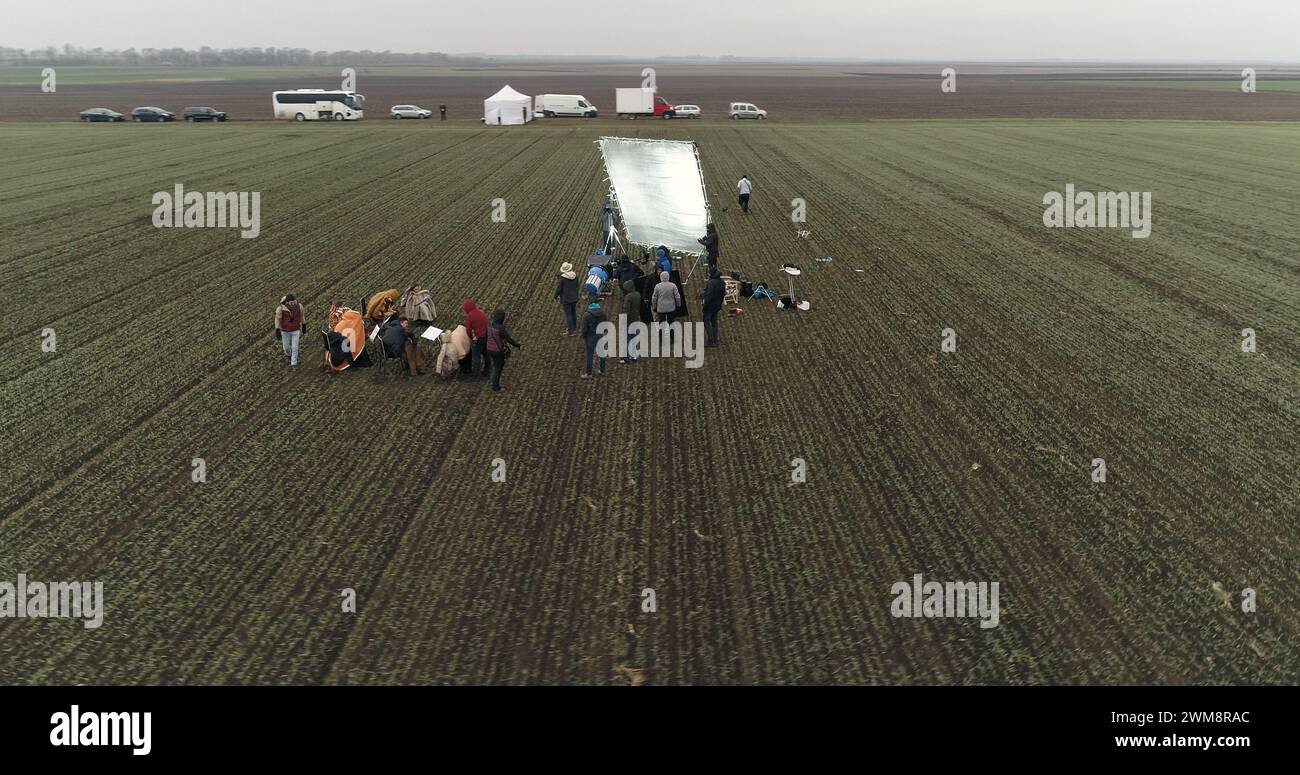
(660, 191)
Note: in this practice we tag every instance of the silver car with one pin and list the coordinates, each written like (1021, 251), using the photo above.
(410, 111)
(746, 110)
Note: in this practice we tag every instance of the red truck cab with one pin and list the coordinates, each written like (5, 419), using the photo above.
(663, 108)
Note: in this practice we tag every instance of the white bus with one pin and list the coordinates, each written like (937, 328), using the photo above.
(313, 104)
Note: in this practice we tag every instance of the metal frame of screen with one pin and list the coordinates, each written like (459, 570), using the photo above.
(613, 193)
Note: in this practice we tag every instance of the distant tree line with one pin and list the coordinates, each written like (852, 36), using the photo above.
(206, 57)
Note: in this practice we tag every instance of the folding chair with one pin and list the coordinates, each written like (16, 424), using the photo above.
(732, 294)
(382, 360)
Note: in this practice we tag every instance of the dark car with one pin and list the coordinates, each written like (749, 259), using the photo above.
(204, 114)
(101, 114)
(152, 114)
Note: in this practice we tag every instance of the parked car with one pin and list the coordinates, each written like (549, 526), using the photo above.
(746, 110)
(152, 114)
(410, 111)
(687, 111)
(101, 114)
(203, 114)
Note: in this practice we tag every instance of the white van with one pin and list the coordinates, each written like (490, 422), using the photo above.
(551, 105)
(746, 110)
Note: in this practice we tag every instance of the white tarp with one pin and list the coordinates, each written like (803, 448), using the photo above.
(660, 191)
(508, 107)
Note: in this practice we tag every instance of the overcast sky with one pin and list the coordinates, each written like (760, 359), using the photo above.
(941, 30)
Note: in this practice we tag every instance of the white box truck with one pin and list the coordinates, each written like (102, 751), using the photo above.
(631, 103)
(550, 105)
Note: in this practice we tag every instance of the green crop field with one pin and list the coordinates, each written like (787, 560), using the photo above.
(1072, 345)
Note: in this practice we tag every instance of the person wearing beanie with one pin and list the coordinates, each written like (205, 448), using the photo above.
(566, 291)
(591, 336)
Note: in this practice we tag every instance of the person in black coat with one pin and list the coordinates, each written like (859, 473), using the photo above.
(591, 336)
(499, 343)
(625, 270)
(713, 294)
(710, 243)
(566, 292)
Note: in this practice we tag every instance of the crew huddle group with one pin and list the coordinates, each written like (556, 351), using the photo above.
(476, 347)
(665, 303)
(481, 346)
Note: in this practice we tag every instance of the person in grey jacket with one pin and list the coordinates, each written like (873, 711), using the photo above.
(566, 291)
(665, 300)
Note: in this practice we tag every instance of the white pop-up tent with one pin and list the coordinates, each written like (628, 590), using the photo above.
(508, 107)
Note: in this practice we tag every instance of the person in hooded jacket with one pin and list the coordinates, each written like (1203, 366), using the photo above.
(710, 243)
(632, 311)
(713, 295)
(499, 343)
(625, 270)
(591, 336)
(288, 327)
(476, 322)
(663, 259)
(566, 290)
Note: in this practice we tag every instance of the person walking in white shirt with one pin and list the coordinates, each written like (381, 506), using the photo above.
(744, 187)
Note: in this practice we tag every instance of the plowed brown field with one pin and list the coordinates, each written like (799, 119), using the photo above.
(845, 94)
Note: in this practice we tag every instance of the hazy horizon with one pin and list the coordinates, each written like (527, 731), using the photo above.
(1192, 31)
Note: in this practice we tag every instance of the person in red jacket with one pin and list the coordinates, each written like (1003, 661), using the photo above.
(476, 322)
(288, 326)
